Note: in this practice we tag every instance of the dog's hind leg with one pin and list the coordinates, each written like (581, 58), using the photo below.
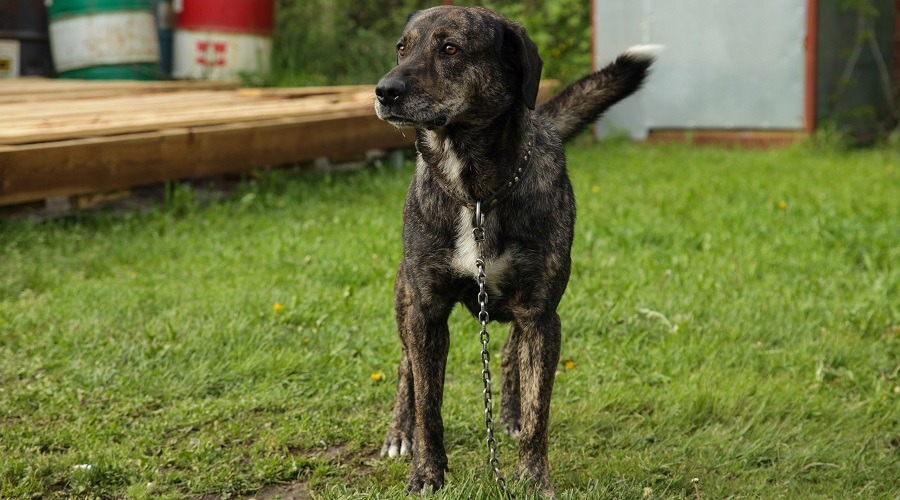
(510, 407)
(539, 345)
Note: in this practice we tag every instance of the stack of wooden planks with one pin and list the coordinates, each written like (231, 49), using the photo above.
(68, 137)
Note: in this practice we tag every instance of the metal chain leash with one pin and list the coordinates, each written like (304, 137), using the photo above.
(484, 319)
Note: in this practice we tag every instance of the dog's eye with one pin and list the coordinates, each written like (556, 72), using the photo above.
(401, 49)
(450, 49)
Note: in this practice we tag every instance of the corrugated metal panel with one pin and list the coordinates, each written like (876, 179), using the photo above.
(728, 64)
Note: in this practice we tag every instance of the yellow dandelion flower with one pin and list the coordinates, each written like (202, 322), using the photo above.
(782, 204)
(278, 307)
(377, 376)
(570, 365)
(595, 189)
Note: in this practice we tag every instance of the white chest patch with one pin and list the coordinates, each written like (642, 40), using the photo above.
(452, 166)
(466, 252)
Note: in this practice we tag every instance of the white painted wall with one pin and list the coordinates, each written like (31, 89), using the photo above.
(728, 64)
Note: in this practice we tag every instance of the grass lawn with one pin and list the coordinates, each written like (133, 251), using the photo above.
(733, 316)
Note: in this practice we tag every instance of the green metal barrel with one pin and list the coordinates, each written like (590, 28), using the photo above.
(104, 39)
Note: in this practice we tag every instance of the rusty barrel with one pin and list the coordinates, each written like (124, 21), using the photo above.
(218, 43)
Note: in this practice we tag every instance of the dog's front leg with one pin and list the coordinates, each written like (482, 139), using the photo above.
(539, 345)
(427, 361)
(422, 325)
(399, 437)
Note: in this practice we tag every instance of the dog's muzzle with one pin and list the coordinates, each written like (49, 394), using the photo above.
(390, 90)
(394, 99)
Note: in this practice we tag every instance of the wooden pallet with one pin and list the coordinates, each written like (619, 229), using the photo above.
(69, 137)
(62, 138)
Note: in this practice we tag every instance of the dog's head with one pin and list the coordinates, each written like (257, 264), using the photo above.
(458, 65)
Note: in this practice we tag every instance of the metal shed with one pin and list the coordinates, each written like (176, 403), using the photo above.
(762, 71)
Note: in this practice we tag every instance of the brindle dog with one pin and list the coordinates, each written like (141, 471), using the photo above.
(467, 80)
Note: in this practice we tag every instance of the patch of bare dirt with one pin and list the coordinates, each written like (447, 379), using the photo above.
(300, 490)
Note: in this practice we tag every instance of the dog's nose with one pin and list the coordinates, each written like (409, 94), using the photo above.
(389, 90)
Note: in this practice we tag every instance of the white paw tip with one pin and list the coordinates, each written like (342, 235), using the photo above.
(646, 51)
(404, 448)
(393, 451)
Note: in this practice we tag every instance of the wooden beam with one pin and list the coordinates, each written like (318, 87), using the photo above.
(91, 165)
(744, 138)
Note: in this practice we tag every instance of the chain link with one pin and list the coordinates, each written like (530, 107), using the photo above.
(484, 318)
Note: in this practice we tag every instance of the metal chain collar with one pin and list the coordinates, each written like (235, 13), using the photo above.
(484, 319)
(502, 192)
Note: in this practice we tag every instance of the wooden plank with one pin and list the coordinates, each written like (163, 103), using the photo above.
(293, 92)
(122, 120)
(32, 89)
(27, 123)
(47, 129)
(30, 83)
(19, 114)
(73, 107)
(106, 164)
(35, 85)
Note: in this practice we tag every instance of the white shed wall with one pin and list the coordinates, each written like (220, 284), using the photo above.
(728, 64)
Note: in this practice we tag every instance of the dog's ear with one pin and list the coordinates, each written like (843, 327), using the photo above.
(519, 54)
(411, 16)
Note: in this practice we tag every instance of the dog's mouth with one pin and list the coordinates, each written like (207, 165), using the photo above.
(399, 121)
(431, 124)
(402, 120)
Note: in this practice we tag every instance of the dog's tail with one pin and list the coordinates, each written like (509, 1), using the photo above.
(585, 100)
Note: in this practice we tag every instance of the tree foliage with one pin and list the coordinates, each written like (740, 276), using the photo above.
(319, 42)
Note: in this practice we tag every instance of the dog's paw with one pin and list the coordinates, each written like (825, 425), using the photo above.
(538, 481)
(510, 415)
(426, 480)
(396, 444)
(510, 422)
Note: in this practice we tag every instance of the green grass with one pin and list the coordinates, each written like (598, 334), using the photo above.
(732, 316)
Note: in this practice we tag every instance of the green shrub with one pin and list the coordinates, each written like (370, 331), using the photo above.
(323, 42)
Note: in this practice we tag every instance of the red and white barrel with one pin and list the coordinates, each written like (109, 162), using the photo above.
(219, 40)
